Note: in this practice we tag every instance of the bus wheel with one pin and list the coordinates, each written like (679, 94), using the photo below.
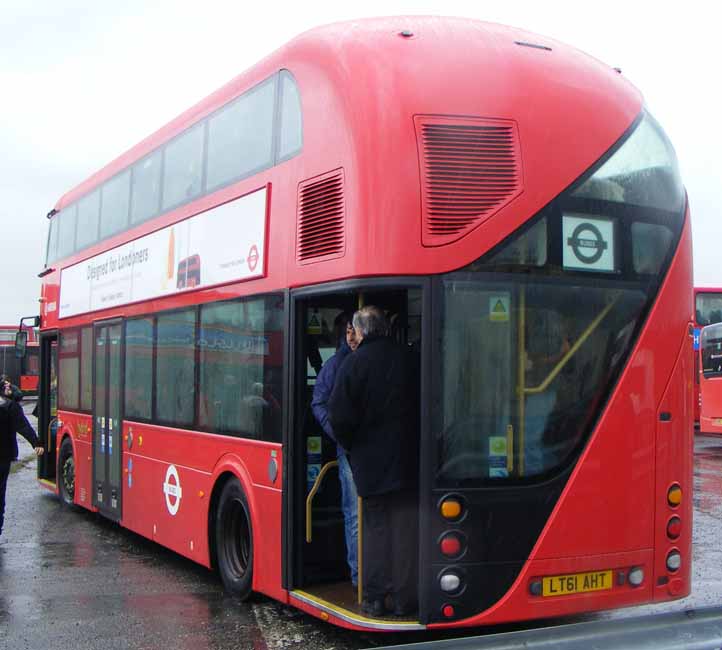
(234, 540)
(66, 472)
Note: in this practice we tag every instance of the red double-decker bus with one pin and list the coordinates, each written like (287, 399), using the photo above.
(23, 371)
(518, 214)
(710, 387)
(707, 311)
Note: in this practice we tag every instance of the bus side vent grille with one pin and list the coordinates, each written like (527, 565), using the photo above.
(470, 169)
(321, 218)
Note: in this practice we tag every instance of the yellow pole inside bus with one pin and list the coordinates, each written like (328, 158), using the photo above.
(359, 517)
(521, 372)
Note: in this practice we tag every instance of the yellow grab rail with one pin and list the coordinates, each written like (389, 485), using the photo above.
(311, 494)
(570, 352)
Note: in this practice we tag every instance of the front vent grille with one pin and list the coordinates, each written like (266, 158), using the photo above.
(321, 220)
(470, 169)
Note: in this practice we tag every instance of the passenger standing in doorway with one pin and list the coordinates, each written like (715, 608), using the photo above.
(372, 411)
(347, 343)
(12, 421)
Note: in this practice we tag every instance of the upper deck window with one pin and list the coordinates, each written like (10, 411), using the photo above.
(115, 205)
(643, 172)
(291, 138)
(66, 231)
(249, 134)
(88, 219)
(145, 193)
(708, 308)
(52, 252)
(183, 168)
(240, 136)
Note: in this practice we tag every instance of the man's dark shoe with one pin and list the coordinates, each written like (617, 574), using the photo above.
(373, 607)
(405, 611)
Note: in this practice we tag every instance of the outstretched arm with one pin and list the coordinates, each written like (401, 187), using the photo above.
(22, 426)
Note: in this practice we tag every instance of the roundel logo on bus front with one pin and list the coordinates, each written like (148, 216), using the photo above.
(172, 490)
(587, 243)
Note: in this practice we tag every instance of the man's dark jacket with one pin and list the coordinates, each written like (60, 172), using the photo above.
(12, 421)
(372, 411)
(324, 386)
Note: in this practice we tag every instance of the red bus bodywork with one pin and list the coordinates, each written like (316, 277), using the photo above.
(569, 110)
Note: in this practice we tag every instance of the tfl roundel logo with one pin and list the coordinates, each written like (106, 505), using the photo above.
(252, 258)
(588, 243)
(172, 490)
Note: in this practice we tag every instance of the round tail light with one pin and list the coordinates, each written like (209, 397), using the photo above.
(674, 495)
(450, 545)
(674, 528)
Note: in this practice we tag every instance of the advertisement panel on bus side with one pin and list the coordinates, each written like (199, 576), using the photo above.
(225, 244)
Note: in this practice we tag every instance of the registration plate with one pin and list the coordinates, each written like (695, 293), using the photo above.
(576, 583)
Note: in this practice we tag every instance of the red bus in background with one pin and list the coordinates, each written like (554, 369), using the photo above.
(23, 372)
(707, 310)
(710, 344)
(537, 267)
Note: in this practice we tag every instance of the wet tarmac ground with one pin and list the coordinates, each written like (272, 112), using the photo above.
(73, 580)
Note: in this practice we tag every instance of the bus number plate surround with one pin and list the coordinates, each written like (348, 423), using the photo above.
(576, 583)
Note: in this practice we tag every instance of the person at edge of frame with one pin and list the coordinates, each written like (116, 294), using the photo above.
(12, 421)
(346, 343)
(17, 394)
(372, 412)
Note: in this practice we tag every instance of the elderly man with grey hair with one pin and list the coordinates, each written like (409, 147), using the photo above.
(372, 410)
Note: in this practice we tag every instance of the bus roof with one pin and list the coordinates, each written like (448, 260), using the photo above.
(413, 56)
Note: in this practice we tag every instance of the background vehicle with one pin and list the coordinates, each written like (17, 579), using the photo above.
(707, 310)
(710, 420)
(537, 268)
(22, 371)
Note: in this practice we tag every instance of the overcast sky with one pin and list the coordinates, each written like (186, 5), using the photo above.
(81, 82)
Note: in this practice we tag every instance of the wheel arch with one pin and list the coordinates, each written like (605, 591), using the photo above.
(231, 467)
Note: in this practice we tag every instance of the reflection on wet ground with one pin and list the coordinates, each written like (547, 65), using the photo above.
(70, 579)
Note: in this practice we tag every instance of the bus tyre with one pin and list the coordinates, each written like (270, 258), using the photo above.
(66, 472)
(234, 540)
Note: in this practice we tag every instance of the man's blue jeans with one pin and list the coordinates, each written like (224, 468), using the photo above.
(349, 505)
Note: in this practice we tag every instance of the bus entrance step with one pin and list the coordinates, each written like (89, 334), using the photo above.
(697, 629)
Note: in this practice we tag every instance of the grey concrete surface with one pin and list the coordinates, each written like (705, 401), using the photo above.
(686, 630)
(74, 580)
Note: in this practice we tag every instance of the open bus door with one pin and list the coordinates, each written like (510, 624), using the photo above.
(48, 406)
(316, 570)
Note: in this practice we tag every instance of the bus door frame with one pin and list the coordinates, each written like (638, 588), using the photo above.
(103, 420)
(49, 442)
(292, 513)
